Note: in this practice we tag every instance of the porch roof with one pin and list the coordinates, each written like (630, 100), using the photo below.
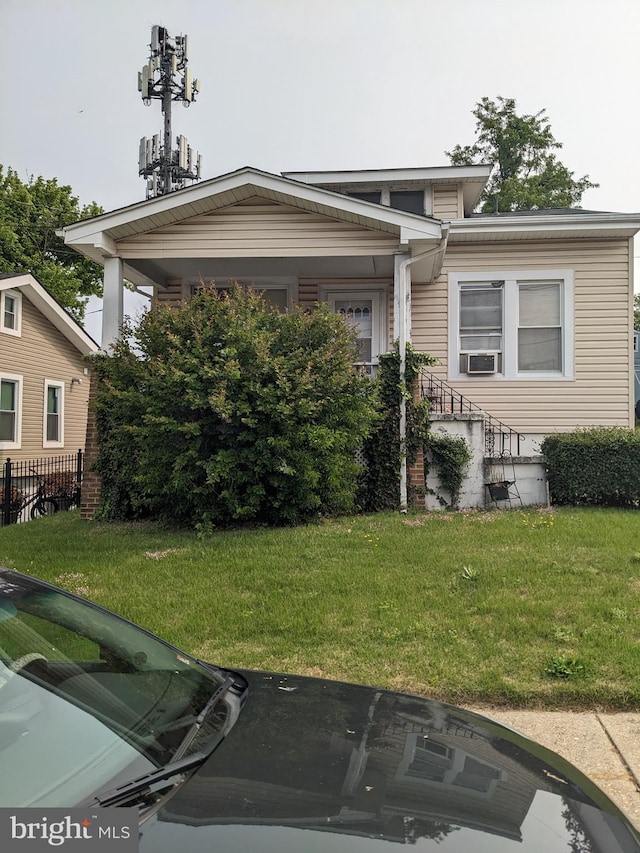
(97, 238)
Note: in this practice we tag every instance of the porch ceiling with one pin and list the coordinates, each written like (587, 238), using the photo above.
(160, 270)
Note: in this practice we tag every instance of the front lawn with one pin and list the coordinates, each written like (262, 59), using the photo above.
(521, 608)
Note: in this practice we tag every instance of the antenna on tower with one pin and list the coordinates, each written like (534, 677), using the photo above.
(167, 78)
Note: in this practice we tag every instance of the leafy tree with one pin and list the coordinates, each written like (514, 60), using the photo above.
(528, 175)
(30, 213)
(636, 312)
(225, 410)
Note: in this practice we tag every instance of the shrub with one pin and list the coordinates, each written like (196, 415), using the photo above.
(594, 466)
(226, 410)
(61, 484)
(16, 499)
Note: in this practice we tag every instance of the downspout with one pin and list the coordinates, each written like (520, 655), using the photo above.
(402, 346)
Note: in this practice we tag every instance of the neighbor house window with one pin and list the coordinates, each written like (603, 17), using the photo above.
(10, 408)
(10, 312)
(511, 325)
(363, 310)
(53, 427)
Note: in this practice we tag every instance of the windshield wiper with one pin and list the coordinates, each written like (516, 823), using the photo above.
(147, 785)
(187, 740)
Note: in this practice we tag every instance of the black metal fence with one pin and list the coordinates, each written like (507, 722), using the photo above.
(29, 488)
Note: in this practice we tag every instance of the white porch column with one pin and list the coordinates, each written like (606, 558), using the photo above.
(402, 323)
(398, 289)
(113, 301)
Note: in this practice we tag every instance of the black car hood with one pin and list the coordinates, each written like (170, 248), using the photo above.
(316, 765)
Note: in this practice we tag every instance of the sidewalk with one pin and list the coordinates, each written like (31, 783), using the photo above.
(606, 747)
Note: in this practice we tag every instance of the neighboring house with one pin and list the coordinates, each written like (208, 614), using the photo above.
(528, 313)
(44, 387)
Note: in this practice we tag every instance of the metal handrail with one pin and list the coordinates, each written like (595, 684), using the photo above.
(499, 439)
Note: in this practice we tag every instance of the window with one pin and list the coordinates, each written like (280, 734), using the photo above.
(10, 312)
(511, 325)
(279, 293)
(411, 201)
(539, 327)
(10, 408)
(364, 311)
(366, 196)
(481, 317)
(53, 427)
(434, 763)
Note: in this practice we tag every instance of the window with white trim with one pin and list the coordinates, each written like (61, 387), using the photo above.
(512, 325)
(53, 425)
(11, 312)
(363, 310)
(432, 763)
(10, 411)
(279, 293)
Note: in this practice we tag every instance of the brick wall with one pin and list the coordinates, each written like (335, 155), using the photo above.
(91, 482)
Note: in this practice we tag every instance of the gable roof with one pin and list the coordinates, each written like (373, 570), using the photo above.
(51, 309)
(97, 237)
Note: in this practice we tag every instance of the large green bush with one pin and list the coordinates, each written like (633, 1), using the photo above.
(594, 466)
(226, 411)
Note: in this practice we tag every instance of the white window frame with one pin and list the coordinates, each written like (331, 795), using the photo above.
(453, 764)
(257, 283)
(510, 322)
(14, 294)
(379, 297)
(17, 443)
(53, 383)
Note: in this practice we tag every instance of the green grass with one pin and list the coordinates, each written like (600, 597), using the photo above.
(523, 609)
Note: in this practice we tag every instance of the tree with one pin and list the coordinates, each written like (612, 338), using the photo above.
(30, 214)
(636, 312)
(528, 175)
(225, 411)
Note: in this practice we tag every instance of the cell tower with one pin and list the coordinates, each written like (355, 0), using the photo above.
(167, 78)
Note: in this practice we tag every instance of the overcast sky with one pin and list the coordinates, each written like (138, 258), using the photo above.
(293, 85)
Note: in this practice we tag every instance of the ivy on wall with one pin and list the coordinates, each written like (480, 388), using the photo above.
(380, 488)
(450, 455)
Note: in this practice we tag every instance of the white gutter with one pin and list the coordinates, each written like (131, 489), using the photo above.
(402, 346)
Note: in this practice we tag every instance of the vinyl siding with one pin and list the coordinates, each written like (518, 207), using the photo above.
(447, 202)
(171, 295)
(601, 391)
(42, 352)
(254, 230)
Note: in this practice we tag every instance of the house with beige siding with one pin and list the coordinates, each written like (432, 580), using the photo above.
(529, 314)
(44, 386)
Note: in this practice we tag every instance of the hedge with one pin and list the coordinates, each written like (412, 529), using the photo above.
(599, 466)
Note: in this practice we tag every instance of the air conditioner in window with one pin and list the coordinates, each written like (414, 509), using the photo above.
(481, 362)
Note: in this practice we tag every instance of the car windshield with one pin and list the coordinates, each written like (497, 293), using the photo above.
(88, 700)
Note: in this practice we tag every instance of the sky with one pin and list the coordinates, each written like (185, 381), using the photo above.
(297, 85)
